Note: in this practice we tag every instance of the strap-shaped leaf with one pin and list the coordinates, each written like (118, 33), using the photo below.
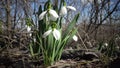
(31, 49)
(40, 10)
(71, 24)
(72, 34)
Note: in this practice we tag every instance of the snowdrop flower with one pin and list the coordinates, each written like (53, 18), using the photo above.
(63, 10)
(34, 39)
(55, 32)
(75, 38)
(28, 29)
(106, 44)
(117, 38)
(30, 34)
(53, 14)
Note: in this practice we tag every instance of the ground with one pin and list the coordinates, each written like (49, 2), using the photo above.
(20, 58)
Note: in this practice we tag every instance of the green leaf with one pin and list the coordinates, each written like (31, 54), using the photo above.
(31, 49)
(100, 46)
(71, 24)
(40, 10)
(46, 5)
(29, 22)
(72, 34)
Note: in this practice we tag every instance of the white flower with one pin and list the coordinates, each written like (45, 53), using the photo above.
(30, 34)
(29, 29)
(53, 15)
(34, 39)
(63, 10)
(71, 7)
(46, 33)
(41, 16)
(55, 32)
(75, 38)
(106, 44)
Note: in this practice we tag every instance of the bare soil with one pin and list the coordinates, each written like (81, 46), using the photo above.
(20, 58)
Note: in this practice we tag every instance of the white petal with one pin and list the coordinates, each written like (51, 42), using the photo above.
(75, 38)
(53, 15)
(63, 11)
(30, 34)
(28, 28)
(46, 33)
(34, 39)
(56, 34)
(52, 18)
(106, 44)
(41, 16)
(71, 7)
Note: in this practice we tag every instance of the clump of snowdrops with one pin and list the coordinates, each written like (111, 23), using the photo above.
(51, 39)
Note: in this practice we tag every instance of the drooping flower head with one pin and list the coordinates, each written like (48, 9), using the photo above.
(50, 12)
(28, 29)
(75, 38)
(64, 8)
(55, 32)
